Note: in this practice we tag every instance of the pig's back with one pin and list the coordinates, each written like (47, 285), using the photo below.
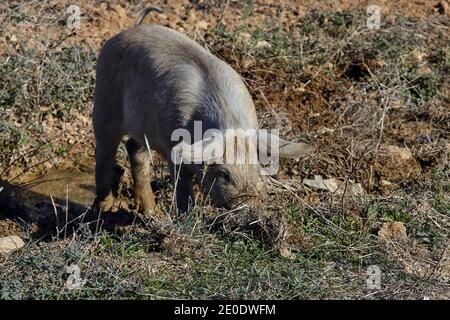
(162, 72)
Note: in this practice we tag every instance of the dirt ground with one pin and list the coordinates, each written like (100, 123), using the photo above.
(375, 103)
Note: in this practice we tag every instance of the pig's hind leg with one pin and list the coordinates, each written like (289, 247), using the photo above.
(107, 172)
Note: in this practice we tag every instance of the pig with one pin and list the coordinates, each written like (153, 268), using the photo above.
(152, 80)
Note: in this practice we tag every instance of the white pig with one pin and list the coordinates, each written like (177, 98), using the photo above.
(152, 80)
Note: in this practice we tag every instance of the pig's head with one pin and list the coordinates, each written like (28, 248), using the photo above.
(233, 170)
(230, 184)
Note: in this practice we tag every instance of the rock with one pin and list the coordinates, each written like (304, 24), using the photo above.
(318, 183)
(334, 185)
(396, 165)
(286, 253)
(263, 44)
(387, 187)
(392, 230)
(10, 243)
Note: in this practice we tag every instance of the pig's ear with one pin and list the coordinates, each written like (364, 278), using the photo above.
(273, 144)
(208, 150)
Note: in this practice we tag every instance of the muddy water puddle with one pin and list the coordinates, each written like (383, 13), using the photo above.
(55, 202)
(63, 186)
(45, 200)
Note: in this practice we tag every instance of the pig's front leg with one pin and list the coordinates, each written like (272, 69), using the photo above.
(140, 168)
(182, 182)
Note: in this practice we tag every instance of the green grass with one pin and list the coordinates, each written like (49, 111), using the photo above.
(441, 202)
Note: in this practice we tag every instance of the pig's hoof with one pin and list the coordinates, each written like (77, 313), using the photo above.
(108, 204)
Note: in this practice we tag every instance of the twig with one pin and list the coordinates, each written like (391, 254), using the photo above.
(222, 15)
(365, 152)
(56, 217)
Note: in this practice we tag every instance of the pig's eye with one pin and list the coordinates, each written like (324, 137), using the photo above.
(224, 174)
